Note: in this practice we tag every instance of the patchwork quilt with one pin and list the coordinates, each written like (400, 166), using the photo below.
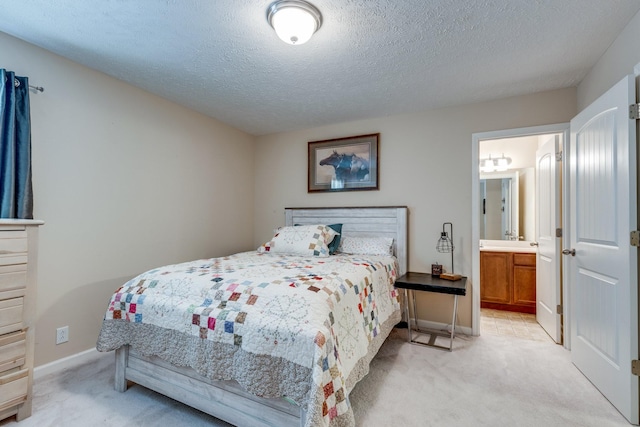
(304, 328)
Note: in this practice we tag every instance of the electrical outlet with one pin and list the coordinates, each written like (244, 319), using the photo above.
(62, 335)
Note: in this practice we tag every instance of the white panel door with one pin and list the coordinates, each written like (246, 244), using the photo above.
(547, 221)
(603, 273)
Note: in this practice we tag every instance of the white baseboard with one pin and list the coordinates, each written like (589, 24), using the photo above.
(68, 362)
(426, 324)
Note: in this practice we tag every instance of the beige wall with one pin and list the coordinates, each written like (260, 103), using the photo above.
(618, 61)
(125, 181)
(108, 158)
(425, 163)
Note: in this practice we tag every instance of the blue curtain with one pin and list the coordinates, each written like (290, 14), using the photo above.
(16, 195)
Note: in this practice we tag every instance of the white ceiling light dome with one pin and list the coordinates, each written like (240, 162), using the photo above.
(294, 21)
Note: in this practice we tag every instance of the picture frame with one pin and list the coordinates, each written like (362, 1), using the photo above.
(344, 164)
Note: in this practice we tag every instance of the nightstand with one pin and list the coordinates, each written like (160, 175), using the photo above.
(424, 282)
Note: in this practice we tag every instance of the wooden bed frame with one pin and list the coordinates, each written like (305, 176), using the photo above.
(226, 400)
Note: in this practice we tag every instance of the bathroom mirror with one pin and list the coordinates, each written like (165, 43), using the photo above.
(499, 206)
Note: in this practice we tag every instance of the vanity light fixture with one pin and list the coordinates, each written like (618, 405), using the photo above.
(502, 163)
(487, 165)
(499, 164)
(445, 245)
(294, 21)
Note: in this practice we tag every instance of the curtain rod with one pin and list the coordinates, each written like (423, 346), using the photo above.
(16, 82)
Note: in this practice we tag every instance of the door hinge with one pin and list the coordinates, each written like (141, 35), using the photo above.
(558, 232)
(635, 367)
(559, 156)
(635, 238)
(559, 309)
(634, 111)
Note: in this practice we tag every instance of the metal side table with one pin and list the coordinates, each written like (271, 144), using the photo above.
(426, 283)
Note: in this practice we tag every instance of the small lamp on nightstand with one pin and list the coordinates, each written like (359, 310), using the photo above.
(445, 245)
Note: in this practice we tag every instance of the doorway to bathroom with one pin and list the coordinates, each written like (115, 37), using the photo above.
(516, 232)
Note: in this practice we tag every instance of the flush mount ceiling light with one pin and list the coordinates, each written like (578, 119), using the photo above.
(295, 21)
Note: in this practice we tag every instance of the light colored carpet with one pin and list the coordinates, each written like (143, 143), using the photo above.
(486, 381)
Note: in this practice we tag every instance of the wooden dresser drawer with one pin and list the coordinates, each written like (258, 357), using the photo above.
(12, 277)
(13, 247)
(18, 263)
(11, 315)
(13, 350)
(14, 388)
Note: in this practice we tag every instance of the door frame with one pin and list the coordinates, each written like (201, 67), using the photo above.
(562, 128)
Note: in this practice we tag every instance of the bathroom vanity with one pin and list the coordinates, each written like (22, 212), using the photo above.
(508, 277)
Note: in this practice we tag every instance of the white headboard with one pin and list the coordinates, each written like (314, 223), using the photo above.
(387, 221)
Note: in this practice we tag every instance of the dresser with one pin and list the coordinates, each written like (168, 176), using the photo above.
(18, 262)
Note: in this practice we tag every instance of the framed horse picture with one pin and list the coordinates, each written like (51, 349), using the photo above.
(344, 164)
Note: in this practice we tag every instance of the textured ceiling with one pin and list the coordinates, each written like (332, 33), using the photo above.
(369, 59)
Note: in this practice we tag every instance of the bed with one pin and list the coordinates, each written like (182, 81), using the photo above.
(290, 362)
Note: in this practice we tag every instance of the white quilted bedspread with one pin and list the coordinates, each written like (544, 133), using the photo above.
(322, 314)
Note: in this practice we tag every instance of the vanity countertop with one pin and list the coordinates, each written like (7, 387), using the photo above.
(507, 246)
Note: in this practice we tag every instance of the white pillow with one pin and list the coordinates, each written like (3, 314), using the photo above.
(306, 240)
(366, 245)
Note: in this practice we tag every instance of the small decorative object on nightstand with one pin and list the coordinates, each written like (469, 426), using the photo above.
(436, 270)
(445, 245)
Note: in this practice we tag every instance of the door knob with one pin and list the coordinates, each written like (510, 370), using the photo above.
(533, 243)
(571, 252)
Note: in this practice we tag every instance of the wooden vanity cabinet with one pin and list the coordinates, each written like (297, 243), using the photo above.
(508, 281)
(495, 277)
